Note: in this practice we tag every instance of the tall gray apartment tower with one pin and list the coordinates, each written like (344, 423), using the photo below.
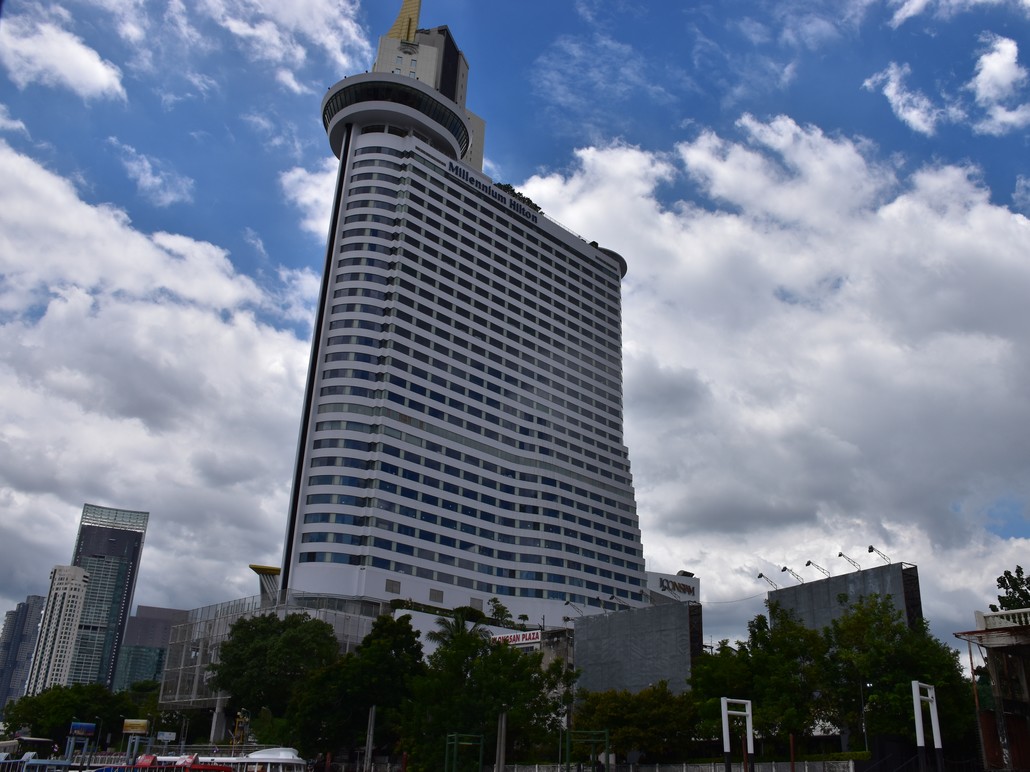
(17, 642)
(89, 601)
(462, 434)
(108, 547)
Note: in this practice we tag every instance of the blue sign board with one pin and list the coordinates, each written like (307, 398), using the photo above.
(82, 729)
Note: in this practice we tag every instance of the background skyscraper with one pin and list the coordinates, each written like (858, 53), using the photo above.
(462, 434)
(87, 608)
(108, 547)
(144, 647)
(17, 642)
(59, 629)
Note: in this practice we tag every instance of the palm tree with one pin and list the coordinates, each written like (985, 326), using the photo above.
(464, 622)
(460, 639)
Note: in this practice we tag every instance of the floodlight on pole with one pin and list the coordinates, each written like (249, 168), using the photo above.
(818, 568)
(792, 573)
(578, 609)
(852, 562)
(770, 581)
(886, 559)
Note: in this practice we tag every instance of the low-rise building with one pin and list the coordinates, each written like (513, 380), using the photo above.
(818, 603)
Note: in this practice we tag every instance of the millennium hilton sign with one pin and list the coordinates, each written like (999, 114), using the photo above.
(485, 187)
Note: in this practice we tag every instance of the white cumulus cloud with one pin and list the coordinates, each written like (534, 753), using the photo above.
(996, 86)
(998, 74)
(312, 193)
(908, 9)
(136, 372)
(823, 356)
(7, 123)
(40, 50)
(281, 34)
(154, 180)
(913, 108)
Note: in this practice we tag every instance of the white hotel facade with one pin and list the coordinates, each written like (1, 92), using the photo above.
(462, 436)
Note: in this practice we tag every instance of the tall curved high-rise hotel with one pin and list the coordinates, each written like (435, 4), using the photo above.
(462, 435)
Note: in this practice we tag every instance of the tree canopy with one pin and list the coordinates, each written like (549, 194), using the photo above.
(51, 712)
(461, 687)
(653, 722)
(855, 675)
(330, 710)
(1015, 591)
(266, 657)
(778, 668)
(470, 681)
(873, 657)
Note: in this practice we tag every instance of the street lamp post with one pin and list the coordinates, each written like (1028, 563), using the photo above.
(862, 686)
(819, 568)
(850, 560)
(886, 559)
(184, 729)
(573, 605)
(793, 573)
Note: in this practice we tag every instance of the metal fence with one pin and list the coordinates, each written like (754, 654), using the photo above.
(715, 766)
(34, 765)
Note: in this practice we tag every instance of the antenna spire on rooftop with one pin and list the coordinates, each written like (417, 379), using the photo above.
(407, 21)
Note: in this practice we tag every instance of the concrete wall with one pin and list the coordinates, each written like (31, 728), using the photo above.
(819, 603)
(635, 648)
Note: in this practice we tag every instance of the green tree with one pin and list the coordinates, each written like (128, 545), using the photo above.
(386, 663)
(51, 712)
(266, 657)
(785, 660)
(469, 682)
(1015, 589)
(499, 613)
(778, 668)
(872, 658)
(465, 624)
(329, 712)
(724, 672)
(510, 190)
(654, 723)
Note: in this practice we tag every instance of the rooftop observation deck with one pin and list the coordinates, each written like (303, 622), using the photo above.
(374, 96)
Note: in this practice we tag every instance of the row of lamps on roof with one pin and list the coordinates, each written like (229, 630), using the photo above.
(826, 573)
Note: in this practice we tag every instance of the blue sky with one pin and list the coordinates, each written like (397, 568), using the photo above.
(823, 207)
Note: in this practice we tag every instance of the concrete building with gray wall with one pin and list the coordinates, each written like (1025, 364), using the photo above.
(819, 603)
(636, 648)
(145, 645)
